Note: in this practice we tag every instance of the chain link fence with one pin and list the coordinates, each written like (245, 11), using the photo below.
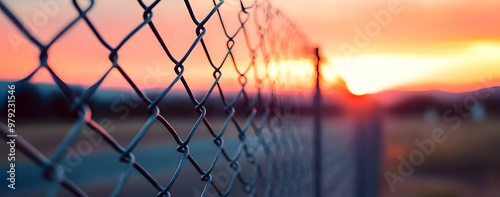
(273, 156)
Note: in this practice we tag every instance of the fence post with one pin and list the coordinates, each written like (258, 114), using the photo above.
(367, 143)
(317, 129)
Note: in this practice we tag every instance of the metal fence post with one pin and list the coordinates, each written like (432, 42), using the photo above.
(317, 129)
(367, 143)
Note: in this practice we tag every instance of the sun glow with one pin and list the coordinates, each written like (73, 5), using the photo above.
(292, 75)
(371, 74)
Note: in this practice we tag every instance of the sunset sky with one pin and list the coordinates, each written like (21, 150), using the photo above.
(425, 44)
(373, 45)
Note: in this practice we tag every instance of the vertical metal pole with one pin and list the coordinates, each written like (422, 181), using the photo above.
(367, 142)
(317, 129)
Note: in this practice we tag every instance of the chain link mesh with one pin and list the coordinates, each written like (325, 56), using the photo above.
(281, 132)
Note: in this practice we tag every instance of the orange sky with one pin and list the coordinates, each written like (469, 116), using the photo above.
(427, 44)
(424, 44)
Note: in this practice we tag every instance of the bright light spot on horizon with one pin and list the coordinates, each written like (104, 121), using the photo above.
(371, 74)
(366, 74)
(329, 74)
(485, 48)
(292, 75)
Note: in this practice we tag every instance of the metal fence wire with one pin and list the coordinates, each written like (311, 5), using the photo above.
(279, 131)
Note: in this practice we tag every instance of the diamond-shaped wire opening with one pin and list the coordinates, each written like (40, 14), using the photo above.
(114, 29)
(122, 111)
(45, 20)
(69, 56)
(93, 164)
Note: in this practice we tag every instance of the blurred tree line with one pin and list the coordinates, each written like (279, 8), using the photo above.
(47, 101)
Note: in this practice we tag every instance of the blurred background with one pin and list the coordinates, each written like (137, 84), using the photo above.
(411, 91)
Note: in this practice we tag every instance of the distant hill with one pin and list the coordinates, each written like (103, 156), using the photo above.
(47, 100)
(417, 102)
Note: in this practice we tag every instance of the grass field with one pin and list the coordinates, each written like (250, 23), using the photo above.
(466, 164)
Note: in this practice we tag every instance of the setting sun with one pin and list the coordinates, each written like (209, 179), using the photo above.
(374, 73)
(412, 52)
